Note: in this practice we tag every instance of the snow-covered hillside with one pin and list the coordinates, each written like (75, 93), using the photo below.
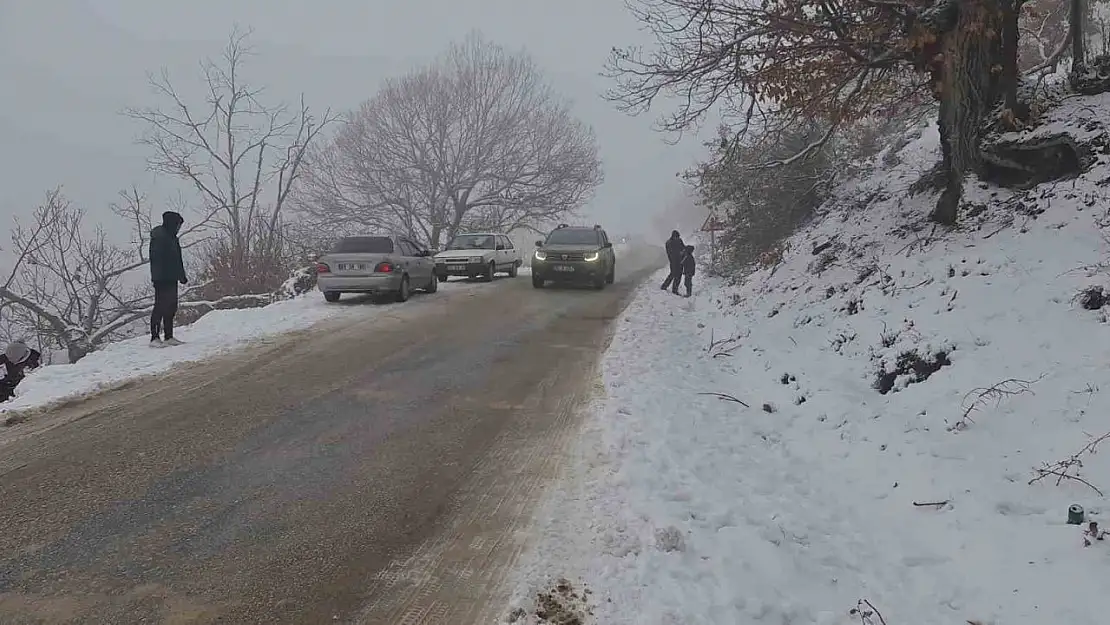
(894, 418)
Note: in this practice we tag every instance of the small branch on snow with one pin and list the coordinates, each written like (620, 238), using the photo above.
(924, 282)
(1068, 468)
(725, 347)
(936, 504)
(980, 397)
(866, 612)
(726, 397)
(1009, 222)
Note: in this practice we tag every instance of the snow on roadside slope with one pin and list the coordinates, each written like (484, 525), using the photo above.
(215, 333)
(682, 508)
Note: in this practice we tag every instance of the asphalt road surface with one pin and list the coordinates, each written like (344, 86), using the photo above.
(376, 471)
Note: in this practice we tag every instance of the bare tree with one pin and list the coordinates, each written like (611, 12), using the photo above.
(242, 157)
(476, 139)
(68, 286)
(1044, 34)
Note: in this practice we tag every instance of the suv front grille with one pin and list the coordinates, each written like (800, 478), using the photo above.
(566, 256)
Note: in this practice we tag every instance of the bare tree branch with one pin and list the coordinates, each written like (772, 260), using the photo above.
(242, 157)
(475, 140)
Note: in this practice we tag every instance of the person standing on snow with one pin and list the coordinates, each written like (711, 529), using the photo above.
(675, 247)
(688, 266)
(167, 270)
(16, 360)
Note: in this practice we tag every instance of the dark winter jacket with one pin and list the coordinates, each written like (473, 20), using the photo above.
(675, 246)
(688, 261)
(166, 264)
(15, 372)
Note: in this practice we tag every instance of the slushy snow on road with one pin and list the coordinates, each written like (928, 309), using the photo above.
(891, 419)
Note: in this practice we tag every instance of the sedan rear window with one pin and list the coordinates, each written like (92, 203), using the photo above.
(364, 245)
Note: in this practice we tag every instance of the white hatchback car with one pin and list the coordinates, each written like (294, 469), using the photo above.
(478, 254)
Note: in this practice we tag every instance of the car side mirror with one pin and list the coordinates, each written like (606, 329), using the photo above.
(608, 245)
(539, 243)
(500, 247)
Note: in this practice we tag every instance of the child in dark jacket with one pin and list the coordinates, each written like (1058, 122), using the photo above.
(14, 362)
(688, 268)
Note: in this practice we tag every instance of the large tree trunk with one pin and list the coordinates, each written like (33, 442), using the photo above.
(967, 93)
(1013, 110)
(1078, 42)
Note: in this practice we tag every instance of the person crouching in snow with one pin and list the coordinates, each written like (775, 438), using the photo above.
(687, 270)
(17, 359)
(167, 269)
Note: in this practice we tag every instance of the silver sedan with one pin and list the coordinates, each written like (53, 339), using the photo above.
(377, 265)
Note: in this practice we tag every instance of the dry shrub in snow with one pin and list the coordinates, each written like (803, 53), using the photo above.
(977, 399)
(1069, 468)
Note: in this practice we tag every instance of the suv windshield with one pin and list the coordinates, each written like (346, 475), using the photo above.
(574, 236)
(472, 242)
(364, 245)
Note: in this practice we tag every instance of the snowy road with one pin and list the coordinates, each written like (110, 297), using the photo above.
(369, 472)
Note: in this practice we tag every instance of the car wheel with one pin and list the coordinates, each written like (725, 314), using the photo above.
(612, 277)
(599, 283)
(403, 292)
(513, 270)
(443, 278)
(537, 281)
(331, 296)
(433, 285)
(492, 269)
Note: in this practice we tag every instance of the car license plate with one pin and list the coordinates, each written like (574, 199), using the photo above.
(563, 268)
(456, 267)
(350, 266)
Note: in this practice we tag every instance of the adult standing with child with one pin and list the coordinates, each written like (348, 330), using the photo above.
(675, 249)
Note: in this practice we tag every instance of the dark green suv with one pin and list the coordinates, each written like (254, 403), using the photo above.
(574, 254)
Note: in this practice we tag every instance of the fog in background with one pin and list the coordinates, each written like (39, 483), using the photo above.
(69, 67)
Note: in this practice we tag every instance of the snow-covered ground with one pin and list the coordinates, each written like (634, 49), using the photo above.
(216, 333)
(818, 493)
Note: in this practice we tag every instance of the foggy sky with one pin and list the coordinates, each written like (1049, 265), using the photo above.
(68, 67)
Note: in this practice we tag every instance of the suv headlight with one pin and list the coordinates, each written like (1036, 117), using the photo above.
(541, 255)
(591, 257)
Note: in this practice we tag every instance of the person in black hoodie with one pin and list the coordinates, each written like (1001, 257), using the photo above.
(16, 360)
(167, 270)
(675, 247)
(688, 266)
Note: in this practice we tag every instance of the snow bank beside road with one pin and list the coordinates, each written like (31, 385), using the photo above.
(215, 333)
(686, 507)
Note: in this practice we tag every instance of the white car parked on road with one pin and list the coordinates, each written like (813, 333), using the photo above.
(478, 254)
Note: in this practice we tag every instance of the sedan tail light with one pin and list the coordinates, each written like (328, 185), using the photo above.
(322, 268)
(383, 268)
